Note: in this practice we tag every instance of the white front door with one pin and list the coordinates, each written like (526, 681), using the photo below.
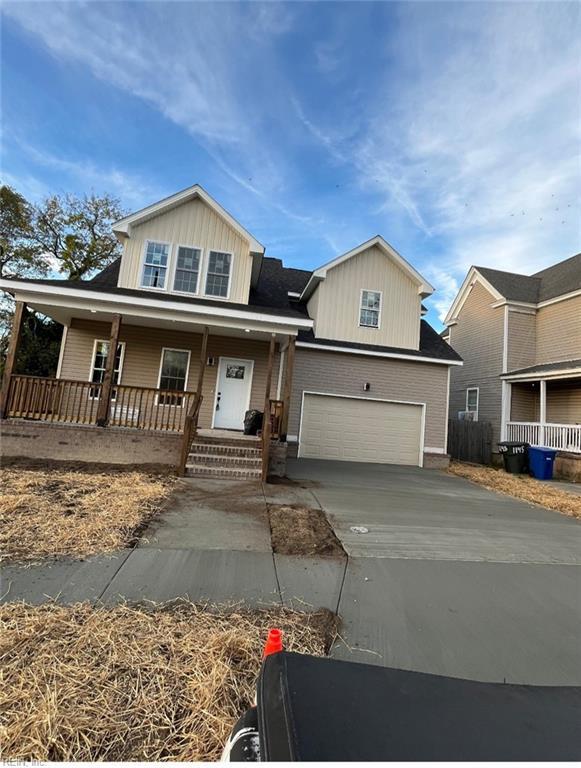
(233, 392)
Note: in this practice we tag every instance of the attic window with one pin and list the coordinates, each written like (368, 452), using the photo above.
(218, 275)
(370, 309)
(155, 265)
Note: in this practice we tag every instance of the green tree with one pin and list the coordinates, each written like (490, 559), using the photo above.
(75, 233)
(20, 256)
(64, 234)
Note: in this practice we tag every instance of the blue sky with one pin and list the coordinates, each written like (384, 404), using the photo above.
(452, 129)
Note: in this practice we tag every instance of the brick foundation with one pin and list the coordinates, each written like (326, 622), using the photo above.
(436, 461)
(568, 467)
(98, 445)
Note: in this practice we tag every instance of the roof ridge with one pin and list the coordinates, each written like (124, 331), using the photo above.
(506, 272)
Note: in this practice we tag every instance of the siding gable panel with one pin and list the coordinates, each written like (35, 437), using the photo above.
(192, 223)
(336, 302)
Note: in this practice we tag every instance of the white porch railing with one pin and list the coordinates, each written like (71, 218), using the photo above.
(562, 437)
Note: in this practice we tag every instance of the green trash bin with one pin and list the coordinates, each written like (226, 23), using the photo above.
(515, 456)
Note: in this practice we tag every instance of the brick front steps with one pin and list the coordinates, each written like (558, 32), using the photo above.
(238, 458)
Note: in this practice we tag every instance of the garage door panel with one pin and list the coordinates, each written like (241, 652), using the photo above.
(351, 429)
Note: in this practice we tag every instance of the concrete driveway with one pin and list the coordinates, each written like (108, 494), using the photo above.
(424, 514)
(451, 579)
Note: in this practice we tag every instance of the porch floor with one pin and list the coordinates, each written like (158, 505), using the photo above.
(230, 434)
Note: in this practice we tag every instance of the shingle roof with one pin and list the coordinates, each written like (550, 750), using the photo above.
(563, 365)
(270, 295)
(560, 278)
(432, 345)
(549, 283)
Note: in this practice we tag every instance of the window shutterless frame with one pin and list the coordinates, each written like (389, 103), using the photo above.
(173, 349)
(96, 342)
(168, 266)
(473, 409)
(174, 269)
(209, 251)
(378, 310)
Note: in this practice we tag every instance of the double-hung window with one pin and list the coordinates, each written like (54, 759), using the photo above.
(100, 353)
(173, 375)
(472, 395)
(187, 270)
(370, 309)
(155, 265)
(218, 274)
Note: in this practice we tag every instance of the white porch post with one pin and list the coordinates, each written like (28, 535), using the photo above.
(543, 411)
(505, 408)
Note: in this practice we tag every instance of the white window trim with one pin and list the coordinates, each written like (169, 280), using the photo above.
(174, 267)
(207, 264)
(477, 390)
(371, 290)
(167, 268)
(163, 351)
(94, 355)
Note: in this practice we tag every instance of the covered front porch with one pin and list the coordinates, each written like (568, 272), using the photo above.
(172, 372)
(542, 406)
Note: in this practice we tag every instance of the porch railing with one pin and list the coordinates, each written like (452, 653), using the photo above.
(76, 402)
(562, 437)
(523, 431)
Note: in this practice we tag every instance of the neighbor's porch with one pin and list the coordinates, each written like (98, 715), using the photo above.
(545, 412)
(163, 377)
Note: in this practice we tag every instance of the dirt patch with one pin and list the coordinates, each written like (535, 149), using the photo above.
(520, 487)
(132, 683)
(298, 530)
(54, 513)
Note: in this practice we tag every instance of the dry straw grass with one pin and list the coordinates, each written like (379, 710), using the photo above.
(521, 487)
(132, 683)
(61, 513)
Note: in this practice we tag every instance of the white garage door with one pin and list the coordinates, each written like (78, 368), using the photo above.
(348, 429)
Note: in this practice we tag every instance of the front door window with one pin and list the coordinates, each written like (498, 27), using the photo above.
(233, 393)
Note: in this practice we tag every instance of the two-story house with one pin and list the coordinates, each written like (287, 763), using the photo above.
(520, 339)
(201, 320)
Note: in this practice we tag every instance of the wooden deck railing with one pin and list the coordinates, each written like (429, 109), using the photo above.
(76, 402)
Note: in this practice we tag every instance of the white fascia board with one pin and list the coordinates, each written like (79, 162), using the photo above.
(123, 226)
(557, 299)
(533, 307)
(425, 288)
(370, 353)
(511, 303)
(563, 373)
(472, 277)
(64, 297)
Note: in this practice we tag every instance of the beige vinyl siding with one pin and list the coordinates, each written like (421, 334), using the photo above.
(564, 402)
(390, 379)
(195, 224)
(478, 339)
(349, 429)
(336, 309)
(559, 331)
(143, 356)
(521, 340)
(524, 402)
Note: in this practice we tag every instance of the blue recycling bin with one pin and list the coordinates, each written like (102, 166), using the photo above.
(541, 462)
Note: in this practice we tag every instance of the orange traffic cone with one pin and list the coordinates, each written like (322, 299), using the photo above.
(273, 642)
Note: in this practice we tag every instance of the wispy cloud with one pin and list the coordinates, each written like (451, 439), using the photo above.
(134, 190)
(479, 143)
(187, 67)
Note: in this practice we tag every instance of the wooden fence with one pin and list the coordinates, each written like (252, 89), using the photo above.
(470, 441)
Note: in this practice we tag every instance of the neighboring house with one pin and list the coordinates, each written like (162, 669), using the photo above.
(370, 376)
(520, 339)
